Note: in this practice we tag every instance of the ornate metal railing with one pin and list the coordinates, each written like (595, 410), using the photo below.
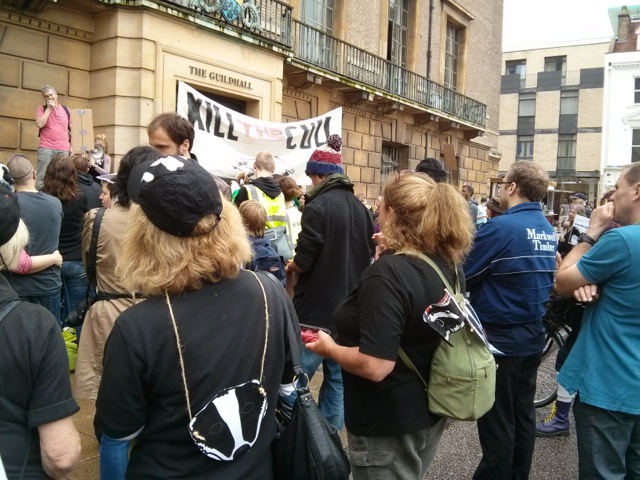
(325, 51)
(269, 19)
(568, 78)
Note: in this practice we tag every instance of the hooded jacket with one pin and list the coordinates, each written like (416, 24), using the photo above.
(334, 248)
(91, 190)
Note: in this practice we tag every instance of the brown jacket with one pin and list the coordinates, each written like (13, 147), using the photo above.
(102, 315)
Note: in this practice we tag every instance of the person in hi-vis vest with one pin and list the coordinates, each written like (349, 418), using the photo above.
(265, 190)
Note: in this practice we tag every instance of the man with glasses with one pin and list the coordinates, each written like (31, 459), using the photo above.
(509, 275)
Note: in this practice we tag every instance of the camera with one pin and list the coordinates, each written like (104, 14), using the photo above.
(76, 318)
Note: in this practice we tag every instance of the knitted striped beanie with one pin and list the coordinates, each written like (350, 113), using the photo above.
(326, 159)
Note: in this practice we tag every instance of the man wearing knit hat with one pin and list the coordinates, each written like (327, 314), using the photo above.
(334, 248)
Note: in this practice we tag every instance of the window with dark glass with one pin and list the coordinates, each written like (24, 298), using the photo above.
(392, 162)
(636, 90)
(524, 148)
(316, 45)
(567, 152)
(635, 145)
(516, 67)
(555, 64)
(569, 102)
(527, 105)
(398, 28)
(452, 52)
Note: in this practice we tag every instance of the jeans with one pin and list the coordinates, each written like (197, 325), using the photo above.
(51, 302)
(608, 443)
(74, 286)
(508, 431)
(114, 457)
(331, 397)
(45, 155)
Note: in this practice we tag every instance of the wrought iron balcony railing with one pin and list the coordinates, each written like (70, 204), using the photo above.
(268, 19)
(319, 49)
(567, 78)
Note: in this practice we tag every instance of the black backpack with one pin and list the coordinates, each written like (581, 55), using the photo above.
(267, 259)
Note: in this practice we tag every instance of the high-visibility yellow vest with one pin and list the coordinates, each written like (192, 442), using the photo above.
(275, 207)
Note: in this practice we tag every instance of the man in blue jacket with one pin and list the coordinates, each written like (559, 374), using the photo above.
(509, 275)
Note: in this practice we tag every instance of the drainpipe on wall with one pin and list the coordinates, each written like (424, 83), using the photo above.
(429, 40)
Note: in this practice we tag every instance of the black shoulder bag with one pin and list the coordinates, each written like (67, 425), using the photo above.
(308, 446)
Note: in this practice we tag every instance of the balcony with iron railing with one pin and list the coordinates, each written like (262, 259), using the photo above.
(566, 79)
(318, 49)
(263, 20)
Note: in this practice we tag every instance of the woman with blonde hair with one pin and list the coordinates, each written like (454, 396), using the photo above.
(391, 432)
(207, 330)
(100, 162)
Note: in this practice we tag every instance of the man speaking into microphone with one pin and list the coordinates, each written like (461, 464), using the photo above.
(54, 123)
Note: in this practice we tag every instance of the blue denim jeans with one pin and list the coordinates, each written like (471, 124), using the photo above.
(608, 443)
(114, 457)
(51, 302)
(74, 286)
(45, 155)
(331, 397)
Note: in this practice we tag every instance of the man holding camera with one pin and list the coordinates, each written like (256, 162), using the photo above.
(54, 123)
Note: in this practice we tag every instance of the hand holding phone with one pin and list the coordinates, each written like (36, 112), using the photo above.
(309, 333)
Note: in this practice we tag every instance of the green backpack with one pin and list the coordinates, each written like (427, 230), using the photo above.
(462, 381)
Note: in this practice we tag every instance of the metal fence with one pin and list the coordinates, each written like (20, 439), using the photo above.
(317, 48)
(268, 19)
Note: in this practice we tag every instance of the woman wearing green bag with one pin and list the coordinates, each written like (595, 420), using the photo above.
(391, 432)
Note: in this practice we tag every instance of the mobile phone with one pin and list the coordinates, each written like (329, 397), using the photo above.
(309, 333)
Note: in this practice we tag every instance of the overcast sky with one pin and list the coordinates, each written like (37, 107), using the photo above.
(541, 22)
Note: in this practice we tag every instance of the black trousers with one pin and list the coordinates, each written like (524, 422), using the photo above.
(508, 431)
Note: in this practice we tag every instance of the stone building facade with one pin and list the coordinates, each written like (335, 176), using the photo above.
(414, 78)
(551, 112)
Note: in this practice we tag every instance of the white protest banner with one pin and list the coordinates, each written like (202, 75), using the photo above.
(227, 142)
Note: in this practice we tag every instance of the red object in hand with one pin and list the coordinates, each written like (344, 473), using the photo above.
(308, 336)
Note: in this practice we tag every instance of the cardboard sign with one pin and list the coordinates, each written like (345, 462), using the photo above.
(227, 142)
(580, 225)
(81, 130)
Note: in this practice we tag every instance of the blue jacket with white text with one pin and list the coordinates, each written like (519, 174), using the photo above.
(509, 274)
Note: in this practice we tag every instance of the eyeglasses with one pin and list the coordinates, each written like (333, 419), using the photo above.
(505, 183)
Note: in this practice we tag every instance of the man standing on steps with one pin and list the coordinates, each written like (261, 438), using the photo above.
(54, 123)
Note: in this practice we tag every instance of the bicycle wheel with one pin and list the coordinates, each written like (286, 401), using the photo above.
(546, 384)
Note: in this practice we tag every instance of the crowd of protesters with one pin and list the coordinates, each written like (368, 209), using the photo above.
(182, 312)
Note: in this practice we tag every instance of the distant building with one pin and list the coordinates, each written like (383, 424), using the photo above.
(551, 113)
(414, 78)
(621, 129)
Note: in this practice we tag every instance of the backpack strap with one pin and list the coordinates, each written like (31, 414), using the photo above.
(7, 307)
(401, 353)
(93, 247)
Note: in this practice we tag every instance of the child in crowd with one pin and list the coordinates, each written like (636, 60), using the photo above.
(265, 257)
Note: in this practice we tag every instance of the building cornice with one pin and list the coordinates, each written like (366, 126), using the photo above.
(44, 26)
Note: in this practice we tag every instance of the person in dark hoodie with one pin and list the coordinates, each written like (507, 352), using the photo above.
(265, 190)
(85, 182)
(334, 248)
(433, 168)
